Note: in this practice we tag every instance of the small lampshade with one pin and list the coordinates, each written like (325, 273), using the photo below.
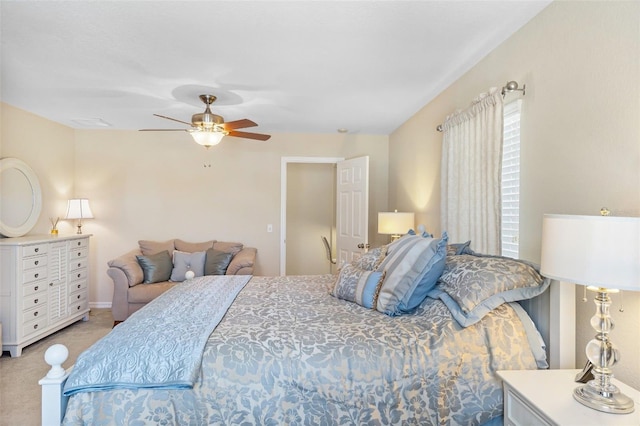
(395, 223)
(599, 251)
(78, 208)
(207, 138)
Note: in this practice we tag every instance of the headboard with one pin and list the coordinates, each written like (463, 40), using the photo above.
(554, 313)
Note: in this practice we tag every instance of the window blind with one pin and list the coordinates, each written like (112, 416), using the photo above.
(510, 185)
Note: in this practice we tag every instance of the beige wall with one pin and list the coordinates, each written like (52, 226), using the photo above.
(48, 148)
(145, 185)
(580, 135)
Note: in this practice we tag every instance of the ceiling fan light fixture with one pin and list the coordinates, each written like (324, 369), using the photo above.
(207, 138)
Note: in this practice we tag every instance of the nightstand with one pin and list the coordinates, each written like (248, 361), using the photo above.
(545, 397)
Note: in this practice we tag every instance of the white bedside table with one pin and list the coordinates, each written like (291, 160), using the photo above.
(545, 397)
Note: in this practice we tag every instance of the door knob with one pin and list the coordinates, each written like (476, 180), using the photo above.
(362, 245)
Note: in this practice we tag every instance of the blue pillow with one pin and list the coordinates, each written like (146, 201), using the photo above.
(412, 267)
(471, 286)
(183, 262)
(156, 267)
(358, 285)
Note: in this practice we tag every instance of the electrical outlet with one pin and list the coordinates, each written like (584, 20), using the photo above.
(269, 228)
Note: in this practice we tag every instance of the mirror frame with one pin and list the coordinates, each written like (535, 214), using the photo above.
(35, 196)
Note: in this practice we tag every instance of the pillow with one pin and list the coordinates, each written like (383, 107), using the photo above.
(412, 270)
(156, 267)
(424, 234)
(217, 262)
(471, 286)
(459, 248)
(232, 248)
(152, 247)
(183, 262)
(193, 247)
(358, 285)
(371, 259)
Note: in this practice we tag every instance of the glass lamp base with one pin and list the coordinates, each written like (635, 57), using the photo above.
(615, 401)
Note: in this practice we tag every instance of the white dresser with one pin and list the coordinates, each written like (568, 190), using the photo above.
(43, 287)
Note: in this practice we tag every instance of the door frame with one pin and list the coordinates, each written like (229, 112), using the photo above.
(284, 162)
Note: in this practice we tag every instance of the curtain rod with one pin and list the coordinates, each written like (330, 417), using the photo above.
(511, 86)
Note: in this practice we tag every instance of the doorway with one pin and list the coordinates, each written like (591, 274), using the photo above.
(308, 210)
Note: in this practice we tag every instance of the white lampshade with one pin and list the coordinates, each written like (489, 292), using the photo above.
(78, 208)
(207, 138)
(395, 223)
(599, 251)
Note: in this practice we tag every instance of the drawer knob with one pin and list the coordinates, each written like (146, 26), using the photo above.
(79, 243)
(79, 264)
(79, 275)
(36, 275)
(78, 308)
(36, 262)
(35, 300)
(78, 297)
(79, 285)
(35, 314)
(37, 250)
(35, 326)
(79, 254)
(35, 288)
(50, 284)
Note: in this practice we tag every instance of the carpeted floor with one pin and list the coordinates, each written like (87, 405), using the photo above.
(19, 389)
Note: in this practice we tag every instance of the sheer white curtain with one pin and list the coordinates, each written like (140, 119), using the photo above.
(471, 169)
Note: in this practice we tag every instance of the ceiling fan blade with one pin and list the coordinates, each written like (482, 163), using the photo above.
(162, 130)
(238, 124)
(247, 135)
(173, 119)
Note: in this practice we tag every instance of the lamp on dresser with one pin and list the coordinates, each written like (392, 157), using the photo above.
(603, 253)
(78, 208)
(395, 223)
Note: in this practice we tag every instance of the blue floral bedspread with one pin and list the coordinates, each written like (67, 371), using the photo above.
(159, 346)
(288, 353)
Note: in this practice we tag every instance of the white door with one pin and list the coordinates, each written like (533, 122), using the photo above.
(352, 209)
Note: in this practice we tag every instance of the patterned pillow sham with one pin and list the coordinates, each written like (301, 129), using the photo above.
(471, 286)
(412, 267)
(358, 285)
(371, 259)
(459, 248)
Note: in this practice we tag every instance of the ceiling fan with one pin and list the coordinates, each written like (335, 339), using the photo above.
(208, 128)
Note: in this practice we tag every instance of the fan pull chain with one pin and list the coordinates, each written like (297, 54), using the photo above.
(584, 293)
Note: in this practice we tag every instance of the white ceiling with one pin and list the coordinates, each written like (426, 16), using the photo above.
(290, 66)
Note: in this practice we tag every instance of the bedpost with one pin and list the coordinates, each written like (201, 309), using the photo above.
(54, 403)
(563, 320)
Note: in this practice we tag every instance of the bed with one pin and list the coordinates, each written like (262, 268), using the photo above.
(312, 350)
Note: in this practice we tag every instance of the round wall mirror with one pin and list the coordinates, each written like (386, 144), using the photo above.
(20, 198)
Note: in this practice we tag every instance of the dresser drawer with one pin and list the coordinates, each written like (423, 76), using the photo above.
(78, 275)
(34, 314)
(78, 263)
(35, 249)
(76, 286)
(34, 262)
(34, 327)
(81, 243)
(34, 288)
(34, 300)
(79, 306)
(77, 297)
(78, 254)
(34, 275)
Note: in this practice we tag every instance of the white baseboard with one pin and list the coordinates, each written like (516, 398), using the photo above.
(99, 305)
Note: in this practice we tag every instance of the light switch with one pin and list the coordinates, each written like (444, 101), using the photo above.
(269, 228)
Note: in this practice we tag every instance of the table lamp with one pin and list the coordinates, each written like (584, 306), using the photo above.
(395, 223)
(603, 253)
(78, 208)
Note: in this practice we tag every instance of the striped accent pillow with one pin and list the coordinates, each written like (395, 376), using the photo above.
(358, 285)
(412, 267)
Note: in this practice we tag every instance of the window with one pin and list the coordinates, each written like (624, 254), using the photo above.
(510, 188)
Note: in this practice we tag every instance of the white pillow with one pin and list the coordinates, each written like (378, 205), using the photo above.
(183, 262)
